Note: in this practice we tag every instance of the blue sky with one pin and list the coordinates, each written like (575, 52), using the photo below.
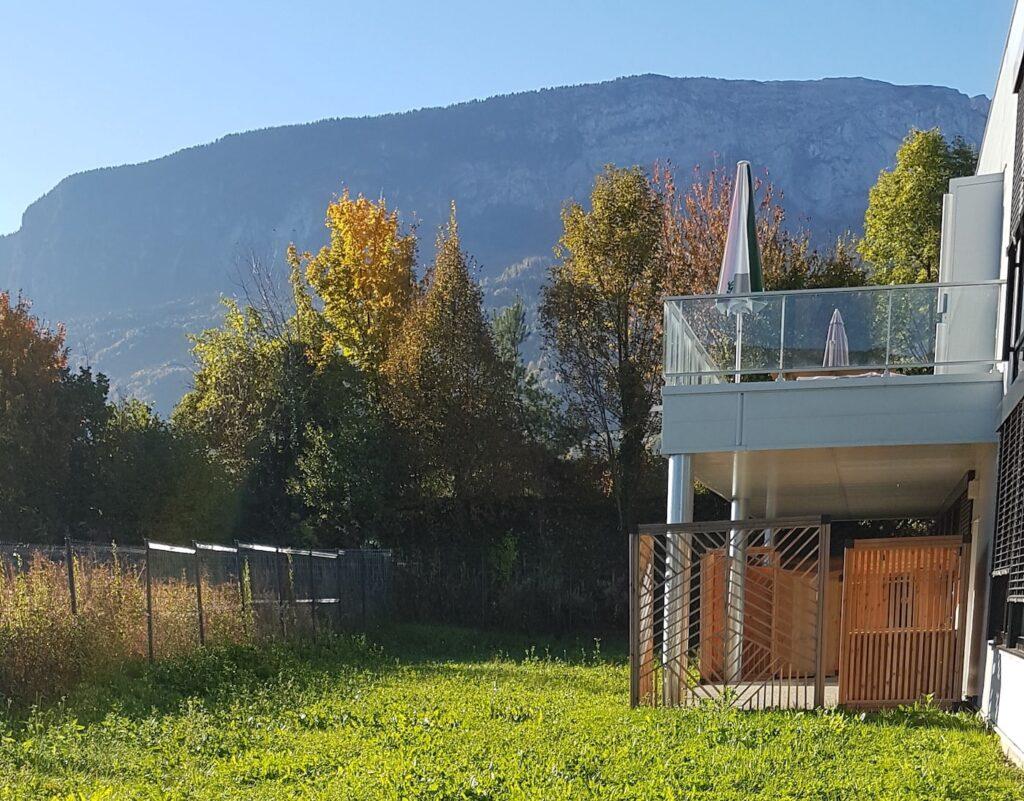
(90, 84)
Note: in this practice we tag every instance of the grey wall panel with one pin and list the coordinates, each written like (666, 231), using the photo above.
(700, 422)
(891, 411)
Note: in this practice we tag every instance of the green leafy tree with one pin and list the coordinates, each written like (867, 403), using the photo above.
(291, 420)
(543, 420)
(903, 223)
(601, 317)
(155, 480)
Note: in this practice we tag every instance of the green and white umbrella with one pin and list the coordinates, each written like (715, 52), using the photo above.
(741, 263)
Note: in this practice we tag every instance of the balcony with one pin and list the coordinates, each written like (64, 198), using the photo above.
(887, 428)
(915, 330)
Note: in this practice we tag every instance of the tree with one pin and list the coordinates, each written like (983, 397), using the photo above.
(696, 226)
(364, 277)
(539, 410)
(448, 390)
(37, 425)
(155, 480)
(601, 316)
(291, 419)
(903, 223)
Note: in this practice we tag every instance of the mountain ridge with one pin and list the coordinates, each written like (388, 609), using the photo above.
(117, 241)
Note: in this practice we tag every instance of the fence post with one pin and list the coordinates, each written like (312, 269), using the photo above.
(69, 556)
(362, 564)
(634, 621)
(337, 586)
(149, 603)
(241, 582)
(824, 554)
(312, 592)
(280, 589)
(198, 569)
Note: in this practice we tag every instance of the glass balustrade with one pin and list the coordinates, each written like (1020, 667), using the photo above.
(806, 334)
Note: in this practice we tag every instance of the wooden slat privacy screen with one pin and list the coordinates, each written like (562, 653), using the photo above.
(902, 622)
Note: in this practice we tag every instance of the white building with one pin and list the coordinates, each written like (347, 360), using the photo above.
(792, 603)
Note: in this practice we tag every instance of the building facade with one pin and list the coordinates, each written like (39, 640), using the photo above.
(819, 413)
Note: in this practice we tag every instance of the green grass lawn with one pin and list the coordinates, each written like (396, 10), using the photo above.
(442, 713)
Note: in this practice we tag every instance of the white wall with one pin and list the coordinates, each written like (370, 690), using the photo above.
(996, 155)
(972, 251)
(1003, 701)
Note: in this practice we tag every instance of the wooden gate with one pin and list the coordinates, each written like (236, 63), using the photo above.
(902, 623)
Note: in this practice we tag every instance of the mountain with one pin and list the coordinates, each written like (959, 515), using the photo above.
(133, 257)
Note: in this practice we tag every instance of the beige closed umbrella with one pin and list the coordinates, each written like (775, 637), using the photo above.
(837, 346)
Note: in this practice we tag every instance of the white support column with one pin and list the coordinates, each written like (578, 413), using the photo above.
(679, 509)
(736, 576)
(771, 506)
(680, 489)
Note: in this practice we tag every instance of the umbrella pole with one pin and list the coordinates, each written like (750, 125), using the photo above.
(739, 346)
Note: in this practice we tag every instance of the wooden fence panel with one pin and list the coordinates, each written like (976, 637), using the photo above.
(901, 622)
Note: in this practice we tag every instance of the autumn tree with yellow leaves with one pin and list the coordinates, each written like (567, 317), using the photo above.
(365, 277)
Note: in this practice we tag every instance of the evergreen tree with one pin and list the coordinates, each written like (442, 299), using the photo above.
(449, 391)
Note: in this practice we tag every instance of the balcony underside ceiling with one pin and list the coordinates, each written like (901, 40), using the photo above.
(844, 483)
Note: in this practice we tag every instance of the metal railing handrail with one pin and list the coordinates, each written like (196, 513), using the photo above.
(878, 367)
(837, 289)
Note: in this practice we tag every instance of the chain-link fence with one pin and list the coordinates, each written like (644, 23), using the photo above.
(164, 600)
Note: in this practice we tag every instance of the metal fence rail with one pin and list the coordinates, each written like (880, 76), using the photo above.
(729, 611)
(167, 600)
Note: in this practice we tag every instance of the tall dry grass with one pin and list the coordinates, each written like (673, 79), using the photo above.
(45, 649)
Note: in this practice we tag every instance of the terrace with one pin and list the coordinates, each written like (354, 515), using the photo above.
(887, 429)
(801, 408)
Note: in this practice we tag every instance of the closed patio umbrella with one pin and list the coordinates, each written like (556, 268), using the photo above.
(837, 346)
(741, 262)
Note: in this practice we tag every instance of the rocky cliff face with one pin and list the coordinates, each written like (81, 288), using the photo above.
(134, 256)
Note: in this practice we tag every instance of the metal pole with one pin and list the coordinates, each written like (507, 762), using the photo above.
(782, 342)
(69, 556)
(149, 602)
(736, 575)
(241, 583)
(675, 625)
(888, 331)
(824, 550)
(337, 585)
(362, 563)
(280, 590)
(739, 347)
(634, 621)
(312, 593)
(197, 567)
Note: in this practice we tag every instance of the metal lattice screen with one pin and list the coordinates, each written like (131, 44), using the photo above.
(729, 611)
(1008, 555)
